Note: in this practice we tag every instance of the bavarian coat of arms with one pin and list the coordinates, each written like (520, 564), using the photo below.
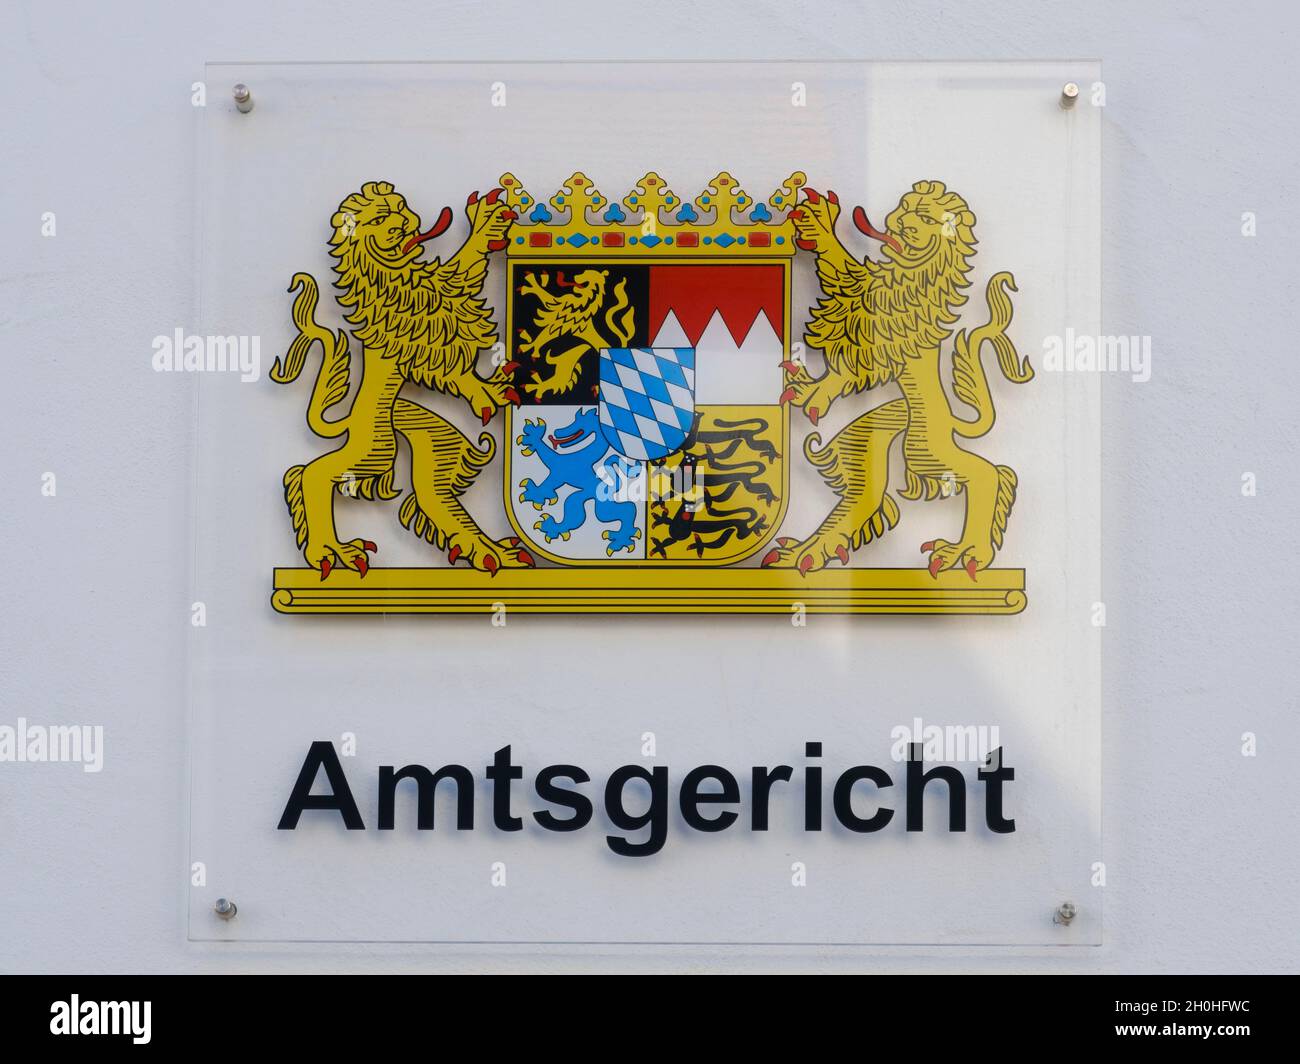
(647, 368)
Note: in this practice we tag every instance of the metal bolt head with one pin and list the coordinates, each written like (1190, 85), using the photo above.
(1065, 912)
(225, 908)
(243, 98)
(1069, 94)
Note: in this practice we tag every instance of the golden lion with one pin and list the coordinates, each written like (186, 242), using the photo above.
(418, 322)
(885, 321)
(572, 315)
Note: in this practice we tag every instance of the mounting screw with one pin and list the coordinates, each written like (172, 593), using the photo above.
(225, 908)
(1069, 94)
(243, 98)
(1065, 912)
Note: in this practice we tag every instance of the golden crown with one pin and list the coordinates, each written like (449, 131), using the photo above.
(723, 220)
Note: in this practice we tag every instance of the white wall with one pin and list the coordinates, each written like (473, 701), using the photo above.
(98, 127)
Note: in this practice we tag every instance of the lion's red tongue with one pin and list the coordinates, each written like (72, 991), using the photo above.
(860, 220)
(439, 227)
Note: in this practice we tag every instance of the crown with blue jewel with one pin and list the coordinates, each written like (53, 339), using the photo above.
(722, 221)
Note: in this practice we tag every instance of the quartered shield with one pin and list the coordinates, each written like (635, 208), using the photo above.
(651, 430)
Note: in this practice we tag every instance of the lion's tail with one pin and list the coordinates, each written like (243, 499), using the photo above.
(620, 326)
(968, 378)
(332, 380)
(746, 513)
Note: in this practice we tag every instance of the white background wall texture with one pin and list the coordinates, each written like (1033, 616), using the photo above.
(1199, 581)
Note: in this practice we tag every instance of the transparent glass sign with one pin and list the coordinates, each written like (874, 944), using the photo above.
(647, 503)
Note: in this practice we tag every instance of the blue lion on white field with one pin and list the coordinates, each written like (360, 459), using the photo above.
(573, 458)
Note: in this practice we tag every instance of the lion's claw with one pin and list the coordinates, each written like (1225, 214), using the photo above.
(487, 555)
(813, 396)
(331, 555)
(970, 555)
(809, 555)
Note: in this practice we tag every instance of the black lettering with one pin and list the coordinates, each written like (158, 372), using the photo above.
(844, 799)
(339, 799)
(917, 778)
(812, 790)
(655, 816)
(561, 796)
(502, 774)
(692, 798)
(427, 786)
(993, 779)
(763, 778)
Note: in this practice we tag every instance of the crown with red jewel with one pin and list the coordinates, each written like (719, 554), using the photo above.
(722, 221)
